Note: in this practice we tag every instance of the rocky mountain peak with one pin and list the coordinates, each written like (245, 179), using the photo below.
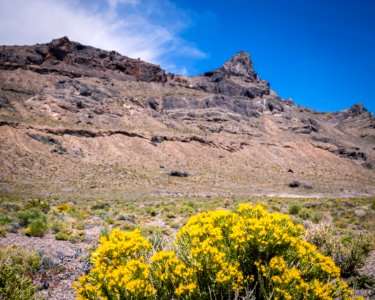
(235, 78)
(240, 65)
(59, 48)
(357, 110)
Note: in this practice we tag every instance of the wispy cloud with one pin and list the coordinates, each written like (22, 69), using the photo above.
(149, 29)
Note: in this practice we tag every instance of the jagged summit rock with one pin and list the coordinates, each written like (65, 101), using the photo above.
(60, 48)
(240, 65)
(235, 78)
(357, 110)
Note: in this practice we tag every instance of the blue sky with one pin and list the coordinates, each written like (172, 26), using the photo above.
(319, 53)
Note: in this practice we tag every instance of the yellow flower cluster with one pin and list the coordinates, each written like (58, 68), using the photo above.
(119, 269)
(171, 276)
(217, 255)
(62, 208)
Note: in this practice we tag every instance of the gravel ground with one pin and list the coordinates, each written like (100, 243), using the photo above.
(62, 263)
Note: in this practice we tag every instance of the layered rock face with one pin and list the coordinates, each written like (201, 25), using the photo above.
(235, 78)
(235, 87)
(80, 121)
(61, 56)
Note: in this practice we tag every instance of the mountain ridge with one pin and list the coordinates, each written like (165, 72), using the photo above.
(115, 123)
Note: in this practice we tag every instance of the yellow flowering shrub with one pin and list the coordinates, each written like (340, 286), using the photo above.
(62, 208)
(216, 255)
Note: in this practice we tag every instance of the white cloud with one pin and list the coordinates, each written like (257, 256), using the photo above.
(148, 29)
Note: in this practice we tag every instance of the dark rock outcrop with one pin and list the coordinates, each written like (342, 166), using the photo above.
(65, 57)
(311, 124)
(308, 126)
(294, 184)
(354, 111)
(4, 103)
(368, 165)
(48, 140)
(235, 78)
(321, 139)
(351, 154)
(179, 174)
(45, 139)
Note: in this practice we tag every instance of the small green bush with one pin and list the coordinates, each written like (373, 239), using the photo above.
(58, 226)
(151, 211)
(316, 217)
(104, 206)
(62, 236)
(78, 236)
(25, 217)
(16, 270)
(362, 282)
(37, 228)
(373, 204)
(109, 221)
(39, 204)
(294, 209)
(305, 213)
(3, 231)
(10, 207)
(79, 225)
(349, 252)
(340, 222)
(5, 220)
(188, 210)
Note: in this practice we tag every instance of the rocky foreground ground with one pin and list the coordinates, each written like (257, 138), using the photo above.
(63, 261)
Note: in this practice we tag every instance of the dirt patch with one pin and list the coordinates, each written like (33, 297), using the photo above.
(62, 263)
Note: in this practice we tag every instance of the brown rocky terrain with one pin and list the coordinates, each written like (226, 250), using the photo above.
(82, 122)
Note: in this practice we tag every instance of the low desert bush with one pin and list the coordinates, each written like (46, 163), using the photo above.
(294, 209)
(62, 236)
(5, 220)
(363, 282)
(102, 205)
(3, 231)
(151, 211)
(305, 213)
(75, 237)
(16, 269)
(246, 254)
(349, 253)
(79, 225)
(39, 204)
(59, 226)
(25, 217)
(10, 207)
(37, 228)
(316, 217)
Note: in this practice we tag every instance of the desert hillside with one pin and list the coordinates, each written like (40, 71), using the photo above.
(80, 121)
